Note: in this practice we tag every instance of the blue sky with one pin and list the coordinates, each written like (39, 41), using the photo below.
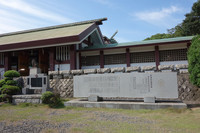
(134, 19)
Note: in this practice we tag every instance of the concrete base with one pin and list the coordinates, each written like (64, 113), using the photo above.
(149, 99)
(93, 98)
(124, 105)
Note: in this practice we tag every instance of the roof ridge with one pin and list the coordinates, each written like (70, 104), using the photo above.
(97, 21)
(186, 37)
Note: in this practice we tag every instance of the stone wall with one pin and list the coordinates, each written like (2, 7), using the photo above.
(187, 91)
(62, 82)
(62, 86)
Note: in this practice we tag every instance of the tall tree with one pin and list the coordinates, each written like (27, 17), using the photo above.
(190, 25)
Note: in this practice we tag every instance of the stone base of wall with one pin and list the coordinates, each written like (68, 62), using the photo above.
(188, 93)
(35, 99)
(64, 87)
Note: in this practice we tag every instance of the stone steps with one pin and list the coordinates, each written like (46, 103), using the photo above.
(34, 98)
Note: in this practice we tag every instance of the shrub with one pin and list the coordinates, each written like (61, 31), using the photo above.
(11, 82)
(5, 97)
(56, 102)
(11, 74)
(46, 97)
(2, 82)
(52, 100)
(9, 89)
(194, 61)
(8, 78)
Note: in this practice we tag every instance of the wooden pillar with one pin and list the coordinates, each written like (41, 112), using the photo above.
(7, 61)
(51, 59)
(128, 57)
(188, 45)
(101, 59)
(80, 60)
(157, 57)
(73, 57)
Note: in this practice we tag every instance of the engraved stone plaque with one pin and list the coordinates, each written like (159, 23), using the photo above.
(130, 85)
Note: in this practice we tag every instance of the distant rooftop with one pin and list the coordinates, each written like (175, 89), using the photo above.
(146, 42)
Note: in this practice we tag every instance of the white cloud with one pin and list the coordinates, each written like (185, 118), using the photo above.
(19, 15)
(24, 7)
(162, 17)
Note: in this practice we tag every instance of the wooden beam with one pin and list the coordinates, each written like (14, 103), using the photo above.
(51, 59)
(101, 59)
(128, 57)
(7, 61)
(188, 45)
(157, 57)
(80, 65)
(73, 57)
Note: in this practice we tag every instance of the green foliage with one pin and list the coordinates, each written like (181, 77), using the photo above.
(11, 82)
(11, 74)
(51, 99)
(8, 78)
(194, 61)
(9, 89)
(189, 27)
(46, 97)
(191, 24)
(5, 97)
(2, 82)
(8, 85)
(159, 36)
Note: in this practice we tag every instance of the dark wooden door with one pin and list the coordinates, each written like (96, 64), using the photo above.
(23, 63)
(43, 60)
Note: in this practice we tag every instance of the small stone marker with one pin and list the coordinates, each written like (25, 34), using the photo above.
(93, 98)
(149, 99)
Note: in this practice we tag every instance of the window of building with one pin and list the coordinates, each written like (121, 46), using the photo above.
(62, 53)
(90, 60)
(115, 59)
(1, 59)
(141, 57)
(173, 55)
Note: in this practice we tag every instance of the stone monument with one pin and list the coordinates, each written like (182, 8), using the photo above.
(130, 85)
(36, 80)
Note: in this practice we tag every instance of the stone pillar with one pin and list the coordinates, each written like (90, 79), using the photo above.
(128, 57)
(73, 57)
(51, 59)
(7, 61)
(157, 57)
(101, 59)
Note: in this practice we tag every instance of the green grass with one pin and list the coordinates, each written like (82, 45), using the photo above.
(96, 120)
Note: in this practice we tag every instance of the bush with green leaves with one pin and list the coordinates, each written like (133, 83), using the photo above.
(5, 97)
(11, 74)
(51, 99)
(9, 89)
(46, 97)
(2, 82)
(194, 61)
(8, 86)
(11, 82)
